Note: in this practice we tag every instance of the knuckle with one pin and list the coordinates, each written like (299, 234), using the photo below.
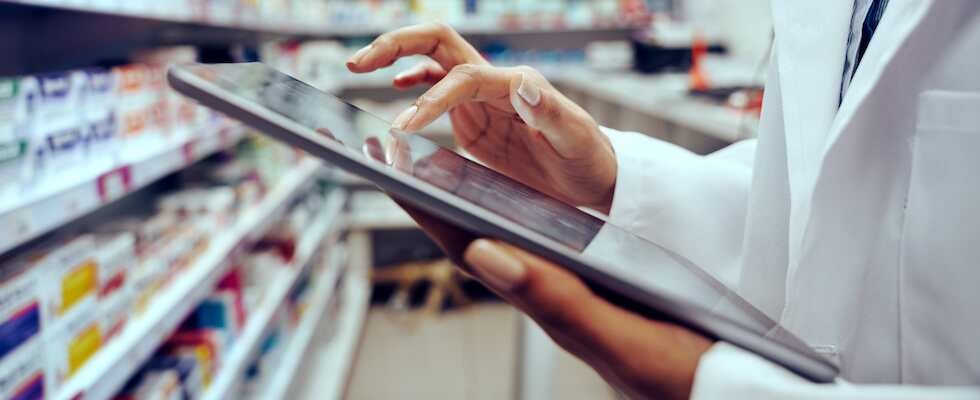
(384, 40)
(467, 70)
(426, 99)
(442, 28)
(527, 69)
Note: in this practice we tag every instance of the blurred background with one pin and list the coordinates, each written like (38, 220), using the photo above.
(153, 249)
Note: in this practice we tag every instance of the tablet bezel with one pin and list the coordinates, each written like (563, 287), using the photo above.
(803, 361)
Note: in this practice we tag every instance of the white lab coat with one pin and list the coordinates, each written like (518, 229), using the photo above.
(858, 227)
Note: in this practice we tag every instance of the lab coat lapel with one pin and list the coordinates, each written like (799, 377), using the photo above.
(901, 18)
(811, 39)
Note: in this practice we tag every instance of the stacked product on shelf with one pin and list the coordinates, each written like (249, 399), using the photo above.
(21, 371)
(269, 356)
(57, 127)
(74, 289)
(13, 135)
(187, 364)
(68, 295)
(283, 327)
(281, 332)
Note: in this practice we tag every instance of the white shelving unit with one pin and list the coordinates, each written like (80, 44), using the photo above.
(331, 364)
(324, 230)
(325, 371)
(105, 374)
(663, 97)
(23, 218)
(339, 357)
(278, 384)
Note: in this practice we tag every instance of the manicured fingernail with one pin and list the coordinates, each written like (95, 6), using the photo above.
(494, 265)
(528, 91)
(402, 120)
(523, 110)
(356, 58)
(402, 75)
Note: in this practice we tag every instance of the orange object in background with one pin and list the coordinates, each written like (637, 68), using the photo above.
(698, 78)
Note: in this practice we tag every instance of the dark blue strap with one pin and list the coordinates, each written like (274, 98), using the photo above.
(870, 25)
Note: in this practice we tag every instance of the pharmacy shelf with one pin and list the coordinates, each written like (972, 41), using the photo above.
(37, 32)
(106, 372)
(324, 230)
(338, 358)
(241, 27)
(330, 366)
(323, 291)
(60, 201)
(51, 35)
(661, 96)
(479, 31)
(290, 27)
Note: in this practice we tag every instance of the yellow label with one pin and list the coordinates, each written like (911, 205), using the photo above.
(77, 284)
(203, 355)
(83, 347)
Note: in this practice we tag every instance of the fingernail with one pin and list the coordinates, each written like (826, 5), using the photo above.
(495, 266)
(523, 110)
(356, 58)
(401, 121)
(528, 91)
(405, 74)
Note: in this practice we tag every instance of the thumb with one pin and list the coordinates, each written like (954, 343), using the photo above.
(551, 295)
(561, 123)
(639, 355)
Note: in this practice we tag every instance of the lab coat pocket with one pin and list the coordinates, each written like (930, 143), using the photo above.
(939, 279)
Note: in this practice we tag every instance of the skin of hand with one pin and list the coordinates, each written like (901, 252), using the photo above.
(511, 119)
(643, 358)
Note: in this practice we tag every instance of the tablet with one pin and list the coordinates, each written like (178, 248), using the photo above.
(623, 268)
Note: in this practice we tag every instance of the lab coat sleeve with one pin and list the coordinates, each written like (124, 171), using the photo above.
(691, 204)
(728, 372)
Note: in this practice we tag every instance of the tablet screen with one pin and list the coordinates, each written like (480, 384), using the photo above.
(370, 139)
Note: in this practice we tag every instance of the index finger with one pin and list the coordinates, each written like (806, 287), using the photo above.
(463, 84)
(438, 41)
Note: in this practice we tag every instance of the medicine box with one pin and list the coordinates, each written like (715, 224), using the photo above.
(115, 255)
(70, 344)
(71, 277)
(114, 311)
(99, 124)
(159, 385)
(57, 122)
(20, 307)
(22, 373)
(98, 93)
(14, 137)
